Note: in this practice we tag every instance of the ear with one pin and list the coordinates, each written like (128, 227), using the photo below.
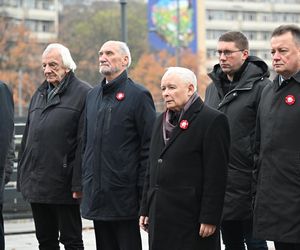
(125, 61)
(245, 54)
(191, 89)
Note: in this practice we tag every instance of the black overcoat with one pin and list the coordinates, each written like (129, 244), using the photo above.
(277, 204)
(185, 182)
(240, 106)
(119, 118)
(6, 130)
(49, 168)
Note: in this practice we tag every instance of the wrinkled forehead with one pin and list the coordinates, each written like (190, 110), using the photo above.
(171, 77)
(109, 46)
(52, 55)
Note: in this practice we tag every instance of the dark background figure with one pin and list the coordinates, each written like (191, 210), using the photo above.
(6, 144)
(119, 119)
(49, 170)
(237, 82)
(185, 182)
(277, 204)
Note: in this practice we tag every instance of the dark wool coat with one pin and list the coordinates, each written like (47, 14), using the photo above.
(185, 182)
(119, 121)
(277, 204)
(49, 169)
(240, 106)
(6, 130)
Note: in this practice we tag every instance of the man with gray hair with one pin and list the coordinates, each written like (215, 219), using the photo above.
(186, 176)
(277, 204)
(119, 118)
(49, 170)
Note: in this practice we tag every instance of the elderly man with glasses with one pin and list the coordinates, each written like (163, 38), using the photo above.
(237, 82)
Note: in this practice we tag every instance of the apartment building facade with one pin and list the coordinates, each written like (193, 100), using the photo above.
(255, 18)
(39, 16)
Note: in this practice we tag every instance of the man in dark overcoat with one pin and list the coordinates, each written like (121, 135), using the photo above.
(186, 176)
(277, 204)
(49, 170)
(119, 119)
(6, 137)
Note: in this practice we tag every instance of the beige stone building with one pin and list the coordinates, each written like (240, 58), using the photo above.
(39, 16)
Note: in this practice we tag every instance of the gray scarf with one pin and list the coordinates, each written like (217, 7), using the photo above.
(171, 118)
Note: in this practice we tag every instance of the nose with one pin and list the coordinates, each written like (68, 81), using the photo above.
(276, 55)
(165, 93)
(102, 57)
(47, 69)
(222, 56)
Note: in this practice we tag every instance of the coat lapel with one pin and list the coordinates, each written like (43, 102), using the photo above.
(189, 115)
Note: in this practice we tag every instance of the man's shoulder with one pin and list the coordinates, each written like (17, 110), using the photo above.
(211, 113)
(5, 91)
(3, 86)
(136, 87)
(82, 84)
(211, 86)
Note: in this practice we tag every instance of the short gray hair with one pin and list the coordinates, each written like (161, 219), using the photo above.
(186, 76)
(124, 50)
(67, 59)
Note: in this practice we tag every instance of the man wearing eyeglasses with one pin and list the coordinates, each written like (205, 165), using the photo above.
(277, 204)
(237, 82)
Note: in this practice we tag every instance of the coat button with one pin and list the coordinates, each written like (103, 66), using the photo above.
(159, 161)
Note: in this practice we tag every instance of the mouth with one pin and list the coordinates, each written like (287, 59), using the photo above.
(104, 65)
(49, 75)
(224, 65)
(169, 101)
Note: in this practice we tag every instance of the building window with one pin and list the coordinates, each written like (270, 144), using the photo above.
(31, 25)
(249, 16)
(214, 34)
(46, 26)
(29, 4)
(210, 53)
(251, 35)
(265, 35)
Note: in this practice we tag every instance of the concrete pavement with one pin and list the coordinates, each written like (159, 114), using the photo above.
(20, 236)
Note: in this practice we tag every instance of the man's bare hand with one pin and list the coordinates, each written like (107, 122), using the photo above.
(77, 195)
(206, 230)
(143, 222)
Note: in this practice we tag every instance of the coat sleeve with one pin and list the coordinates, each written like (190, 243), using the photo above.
(145, 117)
(256, 149)
(216, 145)
(256, 137)
(77, 167)
(144, 204)
(6, 126)
(10, 159)
(22, 148)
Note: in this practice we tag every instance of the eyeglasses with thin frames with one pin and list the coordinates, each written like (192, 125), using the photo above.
(226, 53)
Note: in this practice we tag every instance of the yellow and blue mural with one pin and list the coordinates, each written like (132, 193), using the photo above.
(163, 24)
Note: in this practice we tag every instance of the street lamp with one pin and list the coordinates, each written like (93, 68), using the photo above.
(123, 20)
(178, 33)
